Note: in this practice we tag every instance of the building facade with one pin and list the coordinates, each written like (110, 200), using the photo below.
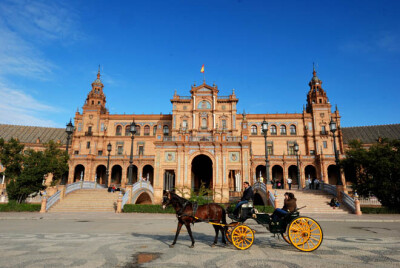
(204, 141)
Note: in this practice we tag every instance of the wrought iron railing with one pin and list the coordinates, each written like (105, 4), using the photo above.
(52, 200)
(125, 198)
(328, 188)
(348, 201)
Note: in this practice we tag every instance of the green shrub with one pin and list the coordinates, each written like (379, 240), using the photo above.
(378, 210)
(13, 206)
(129, 208)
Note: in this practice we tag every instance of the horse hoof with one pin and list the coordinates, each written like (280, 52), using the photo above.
(171, 246)
(192, 246)
(212, 245)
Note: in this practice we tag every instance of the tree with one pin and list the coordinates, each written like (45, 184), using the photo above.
(375, 170)
(11, 157)
(57, 161)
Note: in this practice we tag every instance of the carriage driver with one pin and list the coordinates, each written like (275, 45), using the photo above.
(246, 197)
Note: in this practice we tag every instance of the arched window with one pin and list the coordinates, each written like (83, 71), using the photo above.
(273, 130)
(118, 131)
(146, 130)
(165, 130)
(292, 130)
(127, 132)
(154, 130)
(204, 123)
(137, 130)
(283, 130)
(253, 130)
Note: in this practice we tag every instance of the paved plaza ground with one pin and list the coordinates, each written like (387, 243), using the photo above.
(141, 240)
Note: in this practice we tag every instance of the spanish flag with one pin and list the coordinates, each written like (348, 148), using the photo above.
(202, 69)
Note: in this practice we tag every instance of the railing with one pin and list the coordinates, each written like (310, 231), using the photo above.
(233, 138)
(261, 186)
(201, 138)
(271, 198)
(348, 201)
(328, 188)
(88, 133)
(223, 97)
(169, 138)
(125, 198)
(185, 97)
(142, 184)
(371, 201)
(52, 200)
(82, 185)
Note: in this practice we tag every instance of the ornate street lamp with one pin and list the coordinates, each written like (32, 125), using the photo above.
(132, 130)
(109, 147)
(296, 149)
(332, 126)
(264, 127)
(69, 129)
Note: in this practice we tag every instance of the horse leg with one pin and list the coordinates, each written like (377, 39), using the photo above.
(178, 229)
(190, 233)
(216, 229)
(223, 231)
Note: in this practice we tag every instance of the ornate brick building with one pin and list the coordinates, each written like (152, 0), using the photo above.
(204, 140)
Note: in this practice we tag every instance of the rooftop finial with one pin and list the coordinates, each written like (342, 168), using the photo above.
(98, 73)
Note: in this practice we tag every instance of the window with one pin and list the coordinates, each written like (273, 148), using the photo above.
(100, 153)
(98, 102)
(165, 130)
(141, 150)
(325, 144)
(292, 130)
(312, 152)
(92, 102)
(102, 127)
(90, 129)
(120, 150)
(118, 131)
(137, 130)
(88, 145)
(224, 124)
(273, 130)
(283, 130)
(154, 130)
(184, 124)
(204, 123)
(127, 132)
(291, 150)
(323, 130)
(253, 130)
(146, 130)
(270, 150)
(76, 152)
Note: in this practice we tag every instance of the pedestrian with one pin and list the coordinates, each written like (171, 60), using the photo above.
(309, 183)
(317, 184)
(313, 183)
(289, 182)
(279, 185)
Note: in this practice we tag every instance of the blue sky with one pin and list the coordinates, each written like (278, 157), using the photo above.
(50, 52)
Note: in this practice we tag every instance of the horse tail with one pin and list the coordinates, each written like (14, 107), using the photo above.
(223, 215)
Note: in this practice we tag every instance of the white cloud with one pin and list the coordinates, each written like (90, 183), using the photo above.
(386, 42)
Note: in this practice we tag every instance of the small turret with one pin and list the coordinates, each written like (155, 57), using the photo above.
(317, 94)
(96, 98)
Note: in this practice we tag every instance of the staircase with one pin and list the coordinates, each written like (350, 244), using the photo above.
(87, 200)
(316, 201)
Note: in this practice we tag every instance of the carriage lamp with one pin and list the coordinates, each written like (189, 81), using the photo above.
(132, 129)
(264, 127)
(333, 128)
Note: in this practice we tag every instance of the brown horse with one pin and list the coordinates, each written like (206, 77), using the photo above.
(205, 213)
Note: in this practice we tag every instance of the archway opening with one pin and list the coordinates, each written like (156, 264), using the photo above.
(202, 172)
(169, 180)
(292, 172)
(116, 175)
(310, 172)
(101, 174)
(134, 174)
(235, 182)
(258, 201)
(332, 175)
(79, 173)
(148, 173)
(260, 172)
(277, 176)
(144, 199)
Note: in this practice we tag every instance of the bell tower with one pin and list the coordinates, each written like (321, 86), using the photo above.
(317, 95)
(96, 100)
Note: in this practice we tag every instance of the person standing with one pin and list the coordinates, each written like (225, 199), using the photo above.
(289, 182)
(246, 197)
(309, 183)
(317, 184)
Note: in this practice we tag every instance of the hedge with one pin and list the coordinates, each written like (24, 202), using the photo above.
(13, 206)
(129, 208)
(378, 210)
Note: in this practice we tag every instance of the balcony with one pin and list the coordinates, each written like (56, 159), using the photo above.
(88, 133)
(324, 132)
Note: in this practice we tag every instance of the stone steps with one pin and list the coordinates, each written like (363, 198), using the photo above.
(87, 200)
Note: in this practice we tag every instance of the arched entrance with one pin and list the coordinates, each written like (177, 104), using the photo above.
(310, 172)
(169, 180)
(332, 175)
(148, 173)
(258, 201)
(101, 176)
(260, 171)
(277, 176)
(292, 172)
(79, 173)
(116, 174)
(134, 174)
(202, 172)
(143, 199)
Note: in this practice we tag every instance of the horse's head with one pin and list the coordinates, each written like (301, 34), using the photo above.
(166, 199)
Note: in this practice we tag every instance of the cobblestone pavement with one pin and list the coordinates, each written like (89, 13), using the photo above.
(138, 240)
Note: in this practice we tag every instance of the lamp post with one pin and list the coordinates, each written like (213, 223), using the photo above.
(132, 129)
(69, 129)
(296, 149)
(109, 147)
(332, 126)
(264, 126)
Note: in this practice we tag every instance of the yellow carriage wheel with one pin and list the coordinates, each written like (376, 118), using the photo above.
(228, 235)
(242, 237)
(285, 236)
(305, 234)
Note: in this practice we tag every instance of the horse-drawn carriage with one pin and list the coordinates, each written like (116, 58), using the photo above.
(302, 232)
